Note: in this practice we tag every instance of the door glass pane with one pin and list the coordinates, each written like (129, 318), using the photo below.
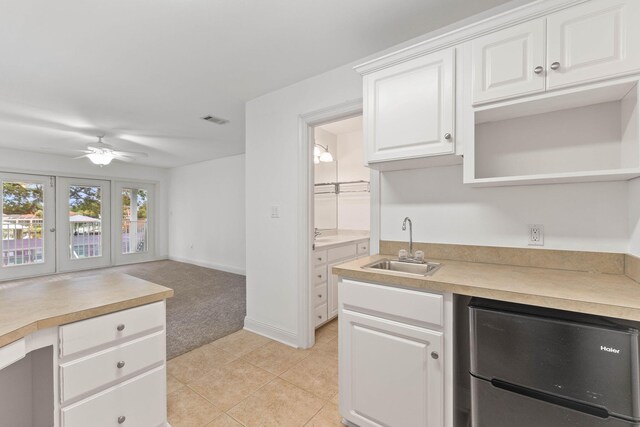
(22, 223)
(135, 233)
(85, 221)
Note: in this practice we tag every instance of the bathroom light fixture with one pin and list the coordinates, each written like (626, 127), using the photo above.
(321, 156)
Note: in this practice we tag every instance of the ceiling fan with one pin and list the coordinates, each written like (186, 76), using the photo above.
(102, 154)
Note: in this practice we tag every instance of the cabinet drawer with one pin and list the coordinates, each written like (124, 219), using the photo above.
(387, 301)
(320, 294)
(89, 333)
(320, 314)
(342, 252)
(319, 257)
(88, 373)
(320, 274)
(141, 401)
(363, 248)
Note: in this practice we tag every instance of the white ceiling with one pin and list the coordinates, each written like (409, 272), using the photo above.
(143, 72)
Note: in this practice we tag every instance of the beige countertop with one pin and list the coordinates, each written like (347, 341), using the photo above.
(25, 309)
(329, 240)
(613, 295)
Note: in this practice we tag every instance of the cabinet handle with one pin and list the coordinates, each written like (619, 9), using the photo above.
(447, 136)
(319, 317)
(120, 328)
(555, 65)
(319, 258)
(435, 355)
(319, 295)
(121, 419)
(319, 276)
(538, 69)
(120, 364)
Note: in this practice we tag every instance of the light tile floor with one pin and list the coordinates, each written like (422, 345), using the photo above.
(245, 379)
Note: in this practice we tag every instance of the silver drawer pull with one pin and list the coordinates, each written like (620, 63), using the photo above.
(447, 136)
(120, 364)
(319, 276)
(120, 328)
(319, 295)
(319, 317)
(555, 65)
(435, 355)
(538, 69)
(319, 258)
(121, 419)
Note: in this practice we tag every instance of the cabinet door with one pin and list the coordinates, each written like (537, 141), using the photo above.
(409, 108)
(390, 373)
(509, 62)
(332, 294)
(597, 39)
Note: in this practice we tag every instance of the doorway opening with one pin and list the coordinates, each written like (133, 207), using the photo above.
(341, 214)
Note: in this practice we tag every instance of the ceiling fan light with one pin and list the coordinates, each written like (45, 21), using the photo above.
(326, 157)
(316, 151)
(316, 160)
(101, 158)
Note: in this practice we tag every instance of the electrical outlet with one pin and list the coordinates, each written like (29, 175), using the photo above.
(536, 235)
(275, 211)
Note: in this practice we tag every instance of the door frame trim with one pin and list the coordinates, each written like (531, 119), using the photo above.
(306, 123)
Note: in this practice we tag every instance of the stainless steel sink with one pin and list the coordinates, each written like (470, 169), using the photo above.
(417, 269)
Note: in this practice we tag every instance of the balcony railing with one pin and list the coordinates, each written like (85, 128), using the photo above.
(135, 236)
(22, 241)
(86, 239)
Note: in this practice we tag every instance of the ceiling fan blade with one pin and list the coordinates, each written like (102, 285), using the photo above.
(131, 153)
(80, 157)
(123, 159)
(63, 150)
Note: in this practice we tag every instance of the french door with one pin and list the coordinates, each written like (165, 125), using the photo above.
(28, 226)
(133, 219)
(83, 224)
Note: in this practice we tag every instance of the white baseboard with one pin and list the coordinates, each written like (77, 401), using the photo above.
(270, 331)
(212, 265)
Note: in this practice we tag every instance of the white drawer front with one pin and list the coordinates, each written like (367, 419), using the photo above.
(342, 252)
(320, 294)
(363, 248)
(88, 373)
(422, 307)
(101, 330)
(321, 314)
(319, 257)
(141, 401)
(320, 274)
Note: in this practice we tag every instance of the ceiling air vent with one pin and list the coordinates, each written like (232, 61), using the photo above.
(216, 120)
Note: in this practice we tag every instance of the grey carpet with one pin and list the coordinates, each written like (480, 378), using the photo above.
(207, 305)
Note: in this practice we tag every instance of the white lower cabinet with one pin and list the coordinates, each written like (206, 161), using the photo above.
(324, 294)
(394, 370)
(112, 369)
(140, 401)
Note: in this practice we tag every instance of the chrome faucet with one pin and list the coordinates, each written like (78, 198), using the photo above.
(404, 228)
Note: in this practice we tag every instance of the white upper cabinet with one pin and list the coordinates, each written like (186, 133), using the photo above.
(509, 62)
(596, 39)
(409, 109)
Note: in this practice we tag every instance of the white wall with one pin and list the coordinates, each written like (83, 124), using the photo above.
(272, 179)
(583, 216)
(207, 214)
(634, 216)
(47, 164)
(575, 216)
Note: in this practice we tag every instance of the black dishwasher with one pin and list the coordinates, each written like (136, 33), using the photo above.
(537, 367)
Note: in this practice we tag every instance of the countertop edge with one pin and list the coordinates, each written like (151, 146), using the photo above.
(40, 324)
(432, 284)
